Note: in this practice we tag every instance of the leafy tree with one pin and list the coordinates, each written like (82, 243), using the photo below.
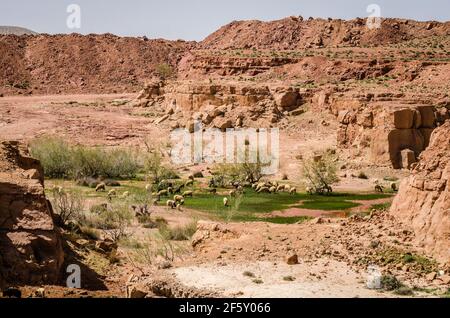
(320, 173)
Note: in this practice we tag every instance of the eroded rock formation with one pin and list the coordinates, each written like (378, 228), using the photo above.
(424, 198)
(30, 244)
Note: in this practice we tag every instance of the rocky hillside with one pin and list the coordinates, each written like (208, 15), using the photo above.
(296, 33)
(6, 30)
(424, 198)
(30, 244)
(75, 63)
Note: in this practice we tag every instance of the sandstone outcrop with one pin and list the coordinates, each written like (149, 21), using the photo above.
(30, 244)
(394, 133)
(423, 202)
(222, 105)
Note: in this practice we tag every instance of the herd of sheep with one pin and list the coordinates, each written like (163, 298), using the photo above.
(177, 194)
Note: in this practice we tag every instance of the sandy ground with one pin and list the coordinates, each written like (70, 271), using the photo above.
(322, 278)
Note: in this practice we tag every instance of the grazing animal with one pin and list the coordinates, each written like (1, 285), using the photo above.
(178, 189)
(189, 183)
(170, 190)
(178, 198)
(264, 189)
(287, 188)
(100, 187)
(188, 194)
(125, 195)
(163, 193)
(293, 191)
(280, 188)
(111, 194)
(212, 191)
(171, 204)
(225, 202)
(254, 186)
(379, 188)
(394, 187)
(273, 189)
(309, 190)
(140, 210)
(178, 206)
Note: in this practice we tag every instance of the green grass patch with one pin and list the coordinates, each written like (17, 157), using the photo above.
(381, 207)
(328, 205)
(247, 208)
(338, 201)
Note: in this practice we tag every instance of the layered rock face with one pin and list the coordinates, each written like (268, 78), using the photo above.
(222, 105)
(423, 201)
(394, 134)
(30, 244)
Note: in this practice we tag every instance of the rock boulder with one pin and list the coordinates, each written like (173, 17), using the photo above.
(30, 244)
(423, 201)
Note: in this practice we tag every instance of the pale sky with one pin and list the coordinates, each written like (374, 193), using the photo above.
(195, 19)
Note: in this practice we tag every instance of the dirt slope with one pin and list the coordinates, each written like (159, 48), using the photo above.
(76, 63)
(294, 33)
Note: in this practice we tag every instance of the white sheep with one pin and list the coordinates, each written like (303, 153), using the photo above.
(178, 198)
(100, 187)
(225, 202)
(171, 204)
(188, 194)
(162, 193)
(293, 191)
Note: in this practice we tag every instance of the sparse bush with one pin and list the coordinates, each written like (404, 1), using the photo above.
(164, 71)
(90, 233)
(179, 233)
(362, 175)
(113, 221)
(320, 172)
(404, 291)
(390, 283)
(154, 167)
(68, 206)
(289, 278)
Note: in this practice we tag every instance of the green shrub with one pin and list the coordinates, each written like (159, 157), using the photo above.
(96, 162)
(179, 233)
(164, 70)
(390, 283)
(54, 155)
(61, 160)
(362, 175)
